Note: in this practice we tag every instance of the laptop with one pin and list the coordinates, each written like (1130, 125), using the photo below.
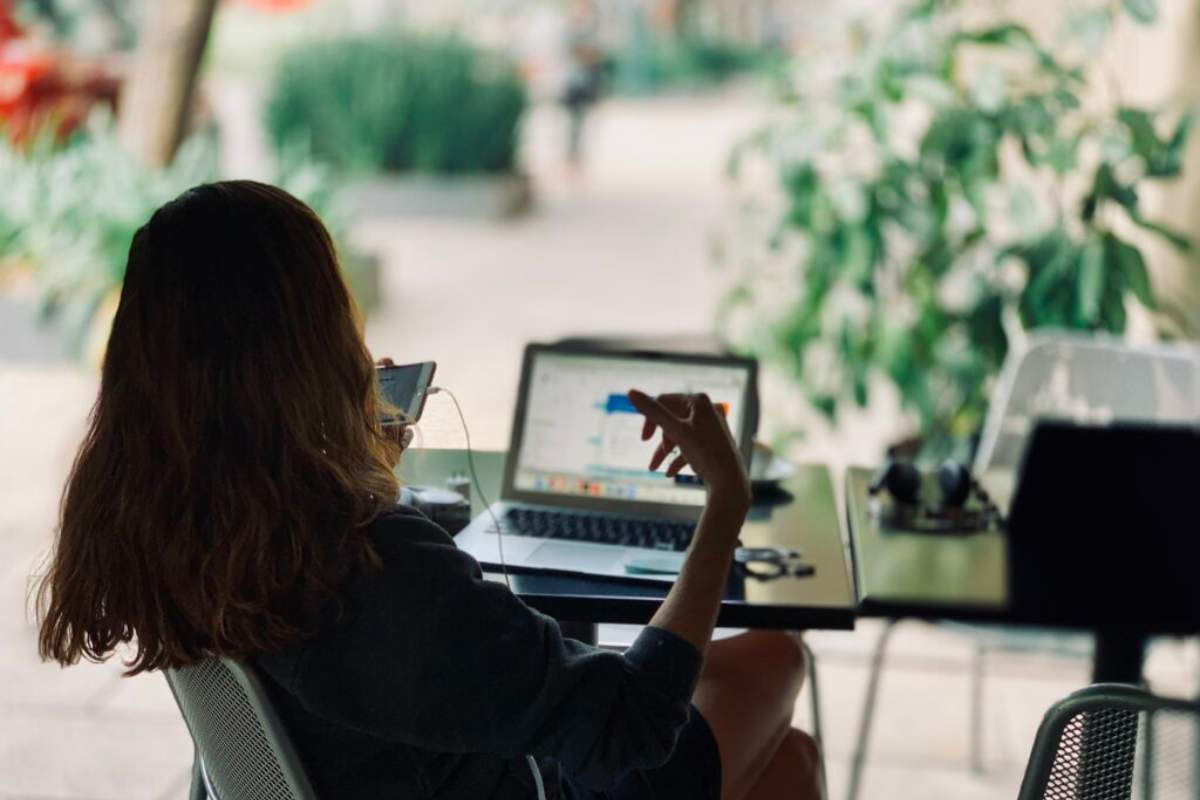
(577, 497)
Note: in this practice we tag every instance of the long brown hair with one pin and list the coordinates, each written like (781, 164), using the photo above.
(234, 455)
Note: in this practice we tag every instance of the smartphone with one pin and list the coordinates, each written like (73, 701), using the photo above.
(406, 388)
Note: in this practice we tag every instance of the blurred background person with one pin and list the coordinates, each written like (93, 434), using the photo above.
(584, 76)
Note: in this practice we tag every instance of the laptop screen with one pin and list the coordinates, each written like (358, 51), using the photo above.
(578, 435)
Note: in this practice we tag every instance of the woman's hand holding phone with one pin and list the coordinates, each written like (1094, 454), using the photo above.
(398, 432)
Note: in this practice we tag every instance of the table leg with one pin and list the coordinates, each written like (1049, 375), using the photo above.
(585, 632)
(1118, 656)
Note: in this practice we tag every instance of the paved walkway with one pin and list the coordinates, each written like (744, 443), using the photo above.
(624, 249)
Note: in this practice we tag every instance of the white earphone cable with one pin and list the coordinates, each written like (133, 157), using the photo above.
(533, 766)
(537, 777)
(475, 480)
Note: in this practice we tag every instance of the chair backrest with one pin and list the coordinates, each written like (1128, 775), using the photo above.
(244, 751)
(1115, 742)
(1088, 380)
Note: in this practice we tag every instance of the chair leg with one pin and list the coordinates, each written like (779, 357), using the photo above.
(814, 695)
(977, 675)
(197, 791)
(814, 701)
(1147, 754)
(868, 710)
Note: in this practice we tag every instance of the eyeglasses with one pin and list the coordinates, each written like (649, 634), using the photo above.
(770, 563)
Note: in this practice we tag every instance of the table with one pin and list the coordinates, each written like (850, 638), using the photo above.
(923, 575)
(967, 578)
(804, 516)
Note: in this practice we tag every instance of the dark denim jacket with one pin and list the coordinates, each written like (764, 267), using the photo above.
(434, 683)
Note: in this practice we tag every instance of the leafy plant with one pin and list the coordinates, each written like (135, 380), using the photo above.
(74, 211)
(79, 21)
(651, 62)
(949, 188)
(68, 215)
(398, 103)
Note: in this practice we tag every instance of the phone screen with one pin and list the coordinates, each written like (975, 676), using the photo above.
(405, 388)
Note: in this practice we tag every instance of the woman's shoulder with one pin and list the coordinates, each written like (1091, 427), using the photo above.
(402, 525)
(407, 539)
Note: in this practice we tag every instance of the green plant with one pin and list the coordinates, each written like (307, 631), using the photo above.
(716, 60)
(79, 22)
(949, 188)
(68, 215)
(650, 62)
(75, 209)
(398, 103)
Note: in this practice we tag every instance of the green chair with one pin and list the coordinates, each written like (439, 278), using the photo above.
(242, 749)
(1115, 742)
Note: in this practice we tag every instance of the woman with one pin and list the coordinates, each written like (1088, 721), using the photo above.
(235, 495)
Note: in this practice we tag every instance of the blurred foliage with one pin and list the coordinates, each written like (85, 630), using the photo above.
(81, 22)
(651, 62)
(398, 103)
(68, 214)
(948, 189)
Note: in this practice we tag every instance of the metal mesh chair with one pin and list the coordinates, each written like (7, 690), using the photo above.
(242, 749)
(1087, 379)
(1115, 742)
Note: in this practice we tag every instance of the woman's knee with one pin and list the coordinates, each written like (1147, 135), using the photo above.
(749, 687)
(802, 747)
(794, 770)
(804, 762)
(754, 649)
(769, 660)
(784, 648)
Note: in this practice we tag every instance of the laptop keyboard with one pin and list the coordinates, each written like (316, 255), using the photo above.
(598, 528)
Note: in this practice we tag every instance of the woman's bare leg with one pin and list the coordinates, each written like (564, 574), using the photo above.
(747, 693)
(794, 771)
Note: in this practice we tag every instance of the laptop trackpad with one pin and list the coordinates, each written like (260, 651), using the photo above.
(576, 557)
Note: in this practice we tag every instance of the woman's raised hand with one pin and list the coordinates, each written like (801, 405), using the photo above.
(694, 426)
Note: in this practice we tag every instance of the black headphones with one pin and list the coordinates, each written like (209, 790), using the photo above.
(962, 505)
